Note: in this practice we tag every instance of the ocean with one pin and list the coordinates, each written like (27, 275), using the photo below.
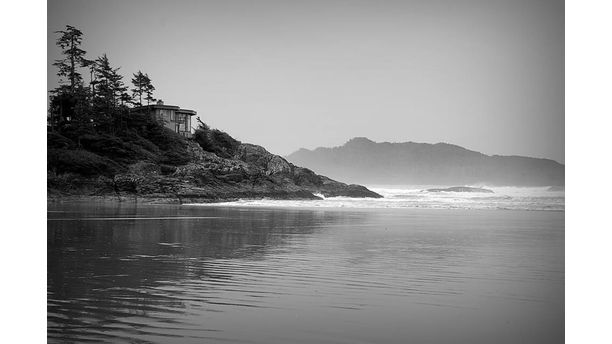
(415, 267)
(412, 197)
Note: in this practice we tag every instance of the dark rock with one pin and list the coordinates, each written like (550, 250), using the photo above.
(461, 189)
(251, 173)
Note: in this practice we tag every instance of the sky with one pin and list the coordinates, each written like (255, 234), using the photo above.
(487, 75)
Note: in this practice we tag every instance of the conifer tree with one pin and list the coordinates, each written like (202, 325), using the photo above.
(109, 83)
(74, 58)
(70, 101)
(110, 95)
(139, 89)
(149, 88)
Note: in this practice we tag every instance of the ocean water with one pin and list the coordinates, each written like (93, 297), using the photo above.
(134, 273)
(502, 198)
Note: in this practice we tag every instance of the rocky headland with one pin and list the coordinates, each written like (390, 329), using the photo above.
(245, 171)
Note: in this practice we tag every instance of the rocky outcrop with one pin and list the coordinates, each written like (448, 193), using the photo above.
(252, 172)
(258, 156)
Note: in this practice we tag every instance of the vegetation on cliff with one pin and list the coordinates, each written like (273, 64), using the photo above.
(153, 162)
(97, 146)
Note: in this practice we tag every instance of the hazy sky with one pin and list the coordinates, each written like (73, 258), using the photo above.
(484, 74)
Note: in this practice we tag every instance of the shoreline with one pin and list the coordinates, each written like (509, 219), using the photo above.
(231, 203)
(170, 200)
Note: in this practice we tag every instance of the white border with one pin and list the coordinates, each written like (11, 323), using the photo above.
(23, 172)
(588, 156)
(588, 81)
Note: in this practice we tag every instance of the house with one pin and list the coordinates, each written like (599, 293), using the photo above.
(173, 117)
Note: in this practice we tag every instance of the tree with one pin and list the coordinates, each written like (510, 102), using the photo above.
(149, 88)
(139, 82)
(101, 106)
(91, 65)
(109, 85)
(110, 95)
(70, 102)
(142, 87)
(125, 98)
(74, 57)
(69, 108)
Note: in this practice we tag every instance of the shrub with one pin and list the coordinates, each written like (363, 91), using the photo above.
(81, 162)
(91, 150)
(56, 140)
(201, 137)
(132, 137)
(167, 169)
(175, 158)
(216, 141)
(173, 147)
(225, 141)
(115, 148)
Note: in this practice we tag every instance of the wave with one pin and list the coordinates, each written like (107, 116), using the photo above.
(503, 198)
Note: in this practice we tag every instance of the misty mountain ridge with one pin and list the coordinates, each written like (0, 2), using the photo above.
(361, 160)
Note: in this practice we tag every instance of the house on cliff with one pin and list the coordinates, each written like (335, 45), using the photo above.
(173, 117)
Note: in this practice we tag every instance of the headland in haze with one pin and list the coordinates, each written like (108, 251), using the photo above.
(361, 160)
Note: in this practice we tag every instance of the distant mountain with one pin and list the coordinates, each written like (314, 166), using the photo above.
(361, 160)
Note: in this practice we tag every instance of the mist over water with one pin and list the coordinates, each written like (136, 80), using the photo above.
(502, 198)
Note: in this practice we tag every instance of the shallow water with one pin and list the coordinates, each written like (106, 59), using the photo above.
(418, 197)
(191, 274)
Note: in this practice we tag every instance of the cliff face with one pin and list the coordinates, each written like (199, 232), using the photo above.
(252, 172)
(363, 161)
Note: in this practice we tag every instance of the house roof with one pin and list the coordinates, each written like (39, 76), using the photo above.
(156, 106)
(187, 112)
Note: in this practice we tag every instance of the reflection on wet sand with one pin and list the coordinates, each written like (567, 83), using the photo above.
(104, 278)
(172, 274)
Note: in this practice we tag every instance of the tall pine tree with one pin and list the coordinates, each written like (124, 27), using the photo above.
(108, 85)
(149, 88)
(74, 58)
(139, 89)
(110, 94)
(69, 101)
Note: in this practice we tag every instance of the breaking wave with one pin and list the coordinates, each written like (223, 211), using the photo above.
(505, 198)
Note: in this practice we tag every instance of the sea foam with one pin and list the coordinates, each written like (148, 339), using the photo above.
(506, 198)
